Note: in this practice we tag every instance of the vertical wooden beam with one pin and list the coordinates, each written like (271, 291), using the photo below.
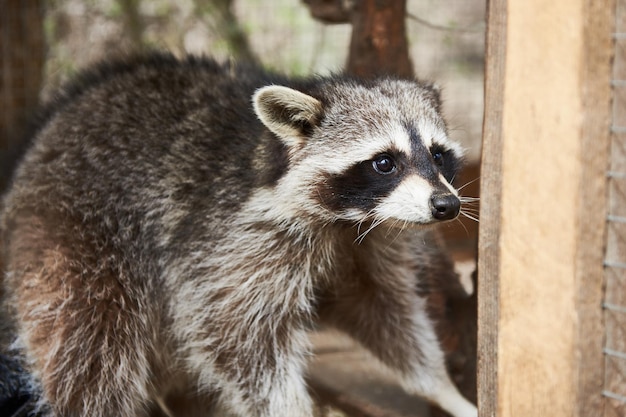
(543, 207)
(490, 210)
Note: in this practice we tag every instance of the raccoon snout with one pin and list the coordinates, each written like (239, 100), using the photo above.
(445, 206)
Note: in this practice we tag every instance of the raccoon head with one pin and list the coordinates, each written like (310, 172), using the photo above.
(364, 152)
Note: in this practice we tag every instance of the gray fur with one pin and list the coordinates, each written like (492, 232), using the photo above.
(177, 227)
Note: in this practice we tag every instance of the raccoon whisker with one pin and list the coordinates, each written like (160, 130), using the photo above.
(392, 228)
(361, 235)
(472, 205)
(375, 223)
(399, 230)
(359, 238)
(378, 221)
(367, 216)
(473, 212)
(470, 209)
(469, 215)
(404, 224)
(462, 225)
(468, 183)
(474, 217)
(465, 199)
(358, 226)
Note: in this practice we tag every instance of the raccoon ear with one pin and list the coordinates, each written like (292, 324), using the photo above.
(435, 95)
(288, 113)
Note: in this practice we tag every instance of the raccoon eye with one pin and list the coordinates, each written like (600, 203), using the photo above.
(384, 164)
(438, 158)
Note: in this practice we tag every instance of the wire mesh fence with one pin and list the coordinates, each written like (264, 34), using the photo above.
(615, 261)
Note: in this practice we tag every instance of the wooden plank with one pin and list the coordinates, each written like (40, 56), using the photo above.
(542, 207)
(489, 230)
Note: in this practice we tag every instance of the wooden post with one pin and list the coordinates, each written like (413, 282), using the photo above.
(543, 192)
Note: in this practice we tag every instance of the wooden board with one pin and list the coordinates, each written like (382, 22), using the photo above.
(490, 210)
(543, 189)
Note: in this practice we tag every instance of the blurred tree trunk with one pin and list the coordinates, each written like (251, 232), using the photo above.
(22, 54)
(379, 45)
(226, 25)
(133, 23)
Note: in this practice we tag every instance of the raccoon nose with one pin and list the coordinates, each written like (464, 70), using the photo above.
(445, 206)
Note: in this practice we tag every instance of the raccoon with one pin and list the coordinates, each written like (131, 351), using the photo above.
(177, 227)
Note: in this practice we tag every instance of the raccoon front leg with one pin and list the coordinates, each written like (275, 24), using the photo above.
(243, 331)
(257, 368)
(390, 320)
(270, 393)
